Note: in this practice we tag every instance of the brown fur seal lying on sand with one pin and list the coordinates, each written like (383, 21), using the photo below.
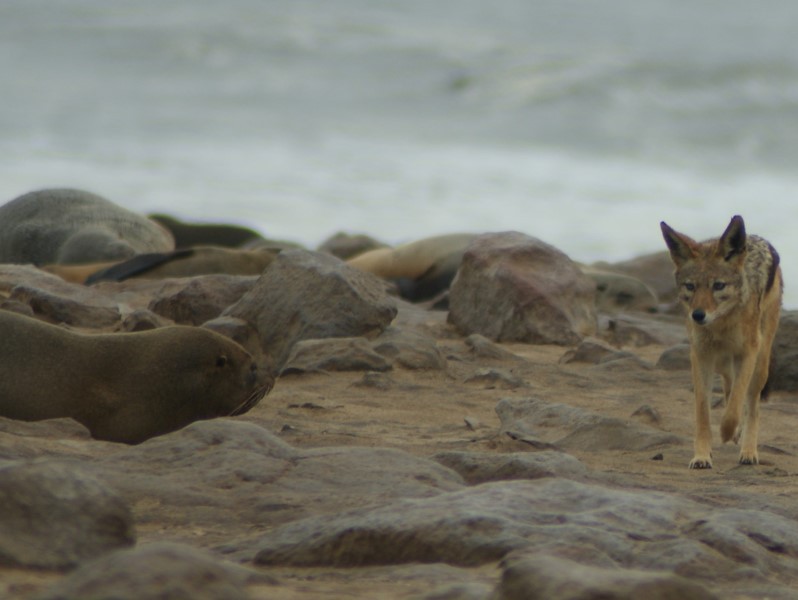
(71, 227)
(124, 387)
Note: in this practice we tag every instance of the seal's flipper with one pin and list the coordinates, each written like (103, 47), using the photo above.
(137, 265)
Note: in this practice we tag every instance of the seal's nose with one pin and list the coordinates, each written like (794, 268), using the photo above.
(699, 316)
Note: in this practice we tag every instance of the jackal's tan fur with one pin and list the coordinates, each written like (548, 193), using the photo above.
(732, 288)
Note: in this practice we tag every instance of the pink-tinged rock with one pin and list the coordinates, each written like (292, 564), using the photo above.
(513, 287)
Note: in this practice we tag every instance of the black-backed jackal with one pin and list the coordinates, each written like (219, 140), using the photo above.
(732, 288)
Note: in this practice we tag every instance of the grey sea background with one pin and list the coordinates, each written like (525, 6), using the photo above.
(583, 123)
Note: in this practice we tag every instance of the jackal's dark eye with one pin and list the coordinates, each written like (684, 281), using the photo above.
(221, 361)
(718, 285)
(690, 287)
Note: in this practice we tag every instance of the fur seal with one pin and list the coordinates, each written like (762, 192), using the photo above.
(201, 234)
(69, 226)
(186, 262)
(422, 269)
(124, 387)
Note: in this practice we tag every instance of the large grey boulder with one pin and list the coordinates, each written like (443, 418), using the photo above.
(310, 295)
(513, 287)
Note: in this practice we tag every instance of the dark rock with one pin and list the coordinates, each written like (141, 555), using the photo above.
(13, 275)
(623, 362)
(307, 295)
(377, 381)
(157, 570)
(142, 319)
(409, 349)
(217, 474)
(200, 298)
(613, 540)
(529, 576)
(482, 347)
(335, 354)
(512, 287)
(648, 414)
(55, 514)
(16, 306)
(480, 467)
(590, 350)
(784, 367)
(571, 427)
(55, 300)
(496, 378)
(484, 523)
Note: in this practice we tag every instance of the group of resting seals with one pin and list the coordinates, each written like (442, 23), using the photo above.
(124, 387)
(132, 386)
(129, 387)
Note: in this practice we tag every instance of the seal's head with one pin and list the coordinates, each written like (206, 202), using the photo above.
(179, 375)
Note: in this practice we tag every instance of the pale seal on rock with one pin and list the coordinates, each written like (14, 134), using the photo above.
(72, 226)
(124, 387)
(422, 268)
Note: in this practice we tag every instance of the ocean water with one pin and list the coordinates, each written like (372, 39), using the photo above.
(582, 123)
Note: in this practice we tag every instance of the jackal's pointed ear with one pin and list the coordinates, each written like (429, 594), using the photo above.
(682, 248)
(732, 242)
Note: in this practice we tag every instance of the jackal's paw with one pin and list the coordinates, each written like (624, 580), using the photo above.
(701, 462)
(749, 459)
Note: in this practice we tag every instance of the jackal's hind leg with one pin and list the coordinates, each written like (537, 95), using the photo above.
(748, 446)
(743, 374)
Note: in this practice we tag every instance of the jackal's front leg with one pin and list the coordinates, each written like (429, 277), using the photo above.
(702, 383)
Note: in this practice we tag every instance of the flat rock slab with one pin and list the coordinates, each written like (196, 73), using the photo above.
(539, 577)
(594, 525)
(159, 570)
(226, 476)
(567, 427)
(480, 467)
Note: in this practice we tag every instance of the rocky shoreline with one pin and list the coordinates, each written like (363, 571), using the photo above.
(526, 441)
